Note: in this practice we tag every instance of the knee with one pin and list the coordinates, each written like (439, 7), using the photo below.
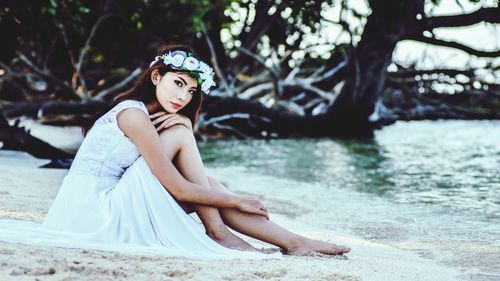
(177, 130)
(177, 133)
(215, 184)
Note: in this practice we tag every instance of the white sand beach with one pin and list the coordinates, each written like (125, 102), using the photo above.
(26, 193)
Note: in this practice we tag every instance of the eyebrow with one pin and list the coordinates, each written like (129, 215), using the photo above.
(182, 79)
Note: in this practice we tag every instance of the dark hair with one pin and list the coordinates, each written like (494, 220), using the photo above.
(144, 90)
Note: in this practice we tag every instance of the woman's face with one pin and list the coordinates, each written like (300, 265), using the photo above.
(174, 90)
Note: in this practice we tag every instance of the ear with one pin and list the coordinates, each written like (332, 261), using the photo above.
(155, 77)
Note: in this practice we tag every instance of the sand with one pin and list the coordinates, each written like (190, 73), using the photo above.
(26, 193)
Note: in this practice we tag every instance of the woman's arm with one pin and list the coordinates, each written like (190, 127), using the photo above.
(138, 127)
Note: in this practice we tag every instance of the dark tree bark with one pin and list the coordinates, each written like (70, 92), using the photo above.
(39, 109)
(366, 73)
(244, 119)
(18, 138)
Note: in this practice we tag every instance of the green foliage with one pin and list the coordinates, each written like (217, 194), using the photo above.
(133, 29)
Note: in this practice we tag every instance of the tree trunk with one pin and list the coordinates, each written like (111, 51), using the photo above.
(368, 63)
(351, 113)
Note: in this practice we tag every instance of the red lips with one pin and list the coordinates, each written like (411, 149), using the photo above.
(176, 105)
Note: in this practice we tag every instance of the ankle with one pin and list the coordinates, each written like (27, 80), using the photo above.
(295, 243)
(218, 234)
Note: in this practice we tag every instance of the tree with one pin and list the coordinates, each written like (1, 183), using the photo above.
(357, 109)
(265, 91)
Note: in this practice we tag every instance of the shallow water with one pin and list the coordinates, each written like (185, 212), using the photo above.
(429, 186)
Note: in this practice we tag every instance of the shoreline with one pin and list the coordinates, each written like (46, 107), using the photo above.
(27, 192)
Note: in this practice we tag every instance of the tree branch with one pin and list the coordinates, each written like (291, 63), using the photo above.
(491, 15)
(48, 76)
(445, 71)
(275, 75)
(456, 45)
(214, 60)
(85, 50)
(68, 46)
(104, 93)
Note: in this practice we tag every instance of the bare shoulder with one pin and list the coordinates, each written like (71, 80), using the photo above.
(134, 121)
(132, 114)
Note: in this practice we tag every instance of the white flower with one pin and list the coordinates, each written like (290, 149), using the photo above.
(157, 58)
(168, 59)
(178, 60)
(190, 63)
(183, 61)
(207, 84)
(205, 76)
(204, 68)
(206, 71)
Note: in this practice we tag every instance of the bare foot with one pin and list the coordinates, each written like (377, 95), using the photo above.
(308, 246)
(229, 240)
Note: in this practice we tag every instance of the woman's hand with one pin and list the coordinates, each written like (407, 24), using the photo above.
(163, 120)
(252, 205)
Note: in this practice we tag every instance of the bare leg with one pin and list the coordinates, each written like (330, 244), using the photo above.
(260, 228)
(181, 147)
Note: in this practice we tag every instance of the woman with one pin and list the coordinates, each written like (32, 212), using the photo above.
(138, 174)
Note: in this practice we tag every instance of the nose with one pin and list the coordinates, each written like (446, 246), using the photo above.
(182, 95)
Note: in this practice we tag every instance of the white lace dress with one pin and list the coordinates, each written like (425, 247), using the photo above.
(110, 200)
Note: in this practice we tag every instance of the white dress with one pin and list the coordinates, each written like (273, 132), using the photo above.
(110, 200)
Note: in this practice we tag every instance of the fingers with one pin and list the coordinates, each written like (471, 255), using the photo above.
(161, 118)
(264, 212)
(261, 212)
(170, 122)
(165, 123)
(166, 120)
(159, 113)
(254, 206)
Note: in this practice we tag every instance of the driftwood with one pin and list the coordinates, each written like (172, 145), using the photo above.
(38, 109)
(14, 137)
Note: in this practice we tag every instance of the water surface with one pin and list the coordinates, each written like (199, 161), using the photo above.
(429, 186)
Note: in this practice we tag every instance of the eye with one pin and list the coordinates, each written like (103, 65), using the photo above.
(192, 92)
(178, 83)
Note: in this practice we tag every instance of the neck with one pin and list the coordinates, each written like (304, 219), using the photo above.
(153, 107)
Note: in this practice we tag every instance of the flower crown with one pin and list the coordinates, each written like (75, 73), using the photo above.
(185, 61)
